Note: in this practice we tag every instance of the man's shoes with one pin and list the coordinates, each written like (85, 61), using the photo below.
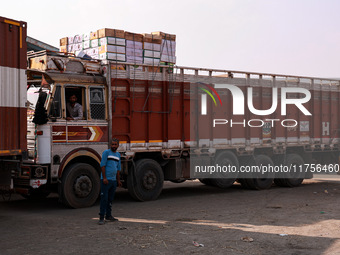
(101, 222)
(110, 218)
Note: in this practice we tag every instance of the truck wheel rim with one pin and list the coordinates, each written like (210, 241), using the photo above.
(149, 180)
(294, 174)
(82, 186)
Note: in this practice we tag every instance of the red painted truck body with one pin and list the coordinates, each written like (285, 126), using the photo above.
(148, 113)
(13, 64)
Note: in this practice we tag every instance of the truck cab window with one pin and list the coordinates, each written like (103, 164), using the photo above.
(75, 103)
(97, 103)
(55, 110)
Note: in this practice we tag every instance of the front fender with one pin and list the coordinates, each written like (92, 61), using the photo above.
(81, 152)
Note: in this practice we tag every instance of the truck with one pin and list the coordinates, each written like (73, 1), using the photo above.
(173, 123)
(13, 124)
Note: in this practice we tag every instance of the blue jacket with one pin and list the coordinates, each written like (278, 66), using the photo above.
(111, 161)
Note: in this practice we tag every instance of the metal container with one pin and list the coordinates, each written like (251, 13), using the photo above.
(13, 84)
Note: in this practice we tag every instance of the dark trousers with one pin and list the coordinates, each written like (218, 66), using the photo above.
(106, 197)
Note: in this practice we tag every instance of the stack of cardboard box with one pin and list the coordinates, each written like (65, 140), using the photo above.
(155, 49)
(152, 49)
(90, 45)
(168, 48)
(71, 44)
(134, 48)
(111, 43)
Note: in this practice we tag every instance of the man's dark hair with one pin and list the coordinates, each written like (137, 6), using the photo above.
(72, 96)
(115, 140)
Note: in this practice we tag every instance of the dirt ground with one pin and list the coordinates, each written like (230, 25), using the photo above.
(302, 220)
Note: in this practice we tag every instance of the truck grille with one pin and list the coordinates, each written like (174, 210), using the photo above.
(21, 182)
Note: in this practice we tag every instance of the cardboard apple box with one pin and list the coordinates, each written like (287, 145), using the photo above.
(77, 46)
(169, 44)
(167, 58)
(109, 32)
(134, 44)
(133, 37)
(94, 43)
(150, 38)
(78, 39)
(151, 46)
(93, 51)
(86, 37)
(112, 56)
(169, 52)
(134, 59)
(134, 52)
(152, 54)
(70, 48)
(63, 41)
(63, 48)
(70, 40)
(111, 48)
(93, 35)
(112, 41)
(86, 44)
(167, 36)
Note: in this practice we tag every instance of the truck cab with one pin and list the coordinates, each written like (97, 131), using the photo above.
(63, 154)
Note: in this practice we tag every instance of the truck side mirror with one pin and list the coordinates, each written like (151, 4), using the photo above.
(54, 113)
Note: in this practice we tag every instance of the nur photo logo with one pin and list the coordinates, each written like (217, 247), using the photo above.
(204, 97)
(280, 98)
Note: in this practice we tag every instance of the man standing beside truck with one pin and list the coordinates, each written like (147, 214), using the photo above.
(110, 177)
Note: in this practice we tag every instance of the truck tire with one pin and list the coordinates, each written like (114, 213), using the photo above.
(292, 178)
(261, 181)
(205, 181)
(280, 182)
(80, 186)
(244, 184)
(226, 158)
(177, 181)
(145, 180)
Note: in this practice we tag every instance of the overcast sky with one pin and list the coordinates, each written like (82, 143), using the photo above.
(297, 37)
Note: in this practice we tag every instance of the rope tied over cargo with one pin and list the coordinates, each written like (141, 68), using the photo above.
(115, 96)
(171, 87)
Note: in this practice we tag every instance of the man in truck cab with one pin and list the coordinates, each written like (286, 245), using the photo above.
(74, 109)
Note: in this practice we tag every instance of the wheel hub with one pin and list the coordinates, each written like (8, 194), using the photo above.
(82, 186)
(149, 180)
(294, 174)
(225, 176)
